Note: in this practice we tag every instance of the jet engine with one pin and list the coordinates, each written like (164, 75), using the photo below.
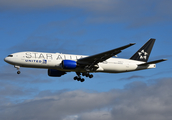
(69, 64)
(55, 73)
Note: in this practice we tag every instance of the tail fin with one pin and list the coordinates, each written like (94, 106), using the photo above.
(144, 52)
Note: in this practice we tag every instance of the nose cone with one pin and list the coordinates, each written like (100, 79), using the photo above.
(5, 59)
(8, 60)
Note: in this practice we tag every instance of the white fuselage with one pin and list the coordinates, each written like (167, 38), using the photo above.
(54, 60)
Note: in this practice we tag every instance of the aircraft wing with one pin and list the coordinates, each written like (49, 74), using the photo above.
(94, 59)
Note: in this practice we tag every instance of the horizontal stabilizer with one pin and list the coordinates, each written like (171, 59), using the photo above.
(153, 62)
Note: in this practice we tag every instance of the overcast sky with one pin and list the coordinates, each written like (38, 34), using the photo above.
(85, 27)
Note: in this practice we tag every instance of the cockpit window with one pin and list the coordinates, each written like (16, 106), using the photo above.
(10, 55)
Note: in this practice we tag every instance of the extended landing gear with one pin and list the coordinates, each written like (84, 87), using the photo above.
(18, 72)
(87, 75)
(18, 68)
(78, 77)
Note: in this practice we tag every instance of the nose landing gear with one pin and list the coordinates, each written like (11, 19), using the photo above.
(18, 72)
(18, 68)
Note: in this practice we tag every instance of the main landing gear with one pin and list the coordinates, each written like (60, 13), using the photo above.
(18, 68)
(78, 77)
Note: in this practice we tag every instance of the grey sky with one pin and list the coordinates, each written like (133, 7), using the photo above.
(137, 102)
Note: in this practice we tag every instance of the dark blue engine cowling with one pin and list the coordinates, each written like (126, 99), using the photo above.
(69, 64)
(55, 73)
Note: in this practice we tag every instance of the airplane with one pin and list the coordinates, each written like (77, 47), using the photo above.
(59, 64)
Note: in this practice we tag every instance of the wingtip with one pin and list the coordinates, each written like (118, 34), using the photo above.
(164, 59)
(132, 43)
(152, 39)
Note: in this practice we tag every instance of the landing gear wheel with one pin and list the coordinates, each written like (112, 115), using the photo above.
(75, 78)
(18, 72)
(79, 79)
(90, 76)
(18, 68)
(83, 74)
(82, 80)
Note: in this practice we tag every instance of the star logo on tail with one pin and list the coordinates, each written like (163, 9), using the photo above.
(143, 54)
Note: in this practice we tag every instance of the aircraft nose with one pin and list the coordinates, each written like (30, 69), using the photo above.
(8, 60)
(5, 59)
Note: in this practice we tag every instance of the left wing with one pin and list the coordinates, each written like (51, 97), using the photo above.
(90, 61)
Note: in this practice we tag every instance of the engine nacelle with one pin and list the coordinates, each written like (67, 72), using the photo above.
(69, 64)
(55, 73)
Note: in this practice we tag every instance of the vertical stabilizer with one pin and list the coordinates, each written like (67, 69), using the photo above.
(144, 52)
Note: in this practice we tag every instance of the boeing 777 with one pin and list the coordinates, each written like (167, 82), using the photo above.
(59, 64)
